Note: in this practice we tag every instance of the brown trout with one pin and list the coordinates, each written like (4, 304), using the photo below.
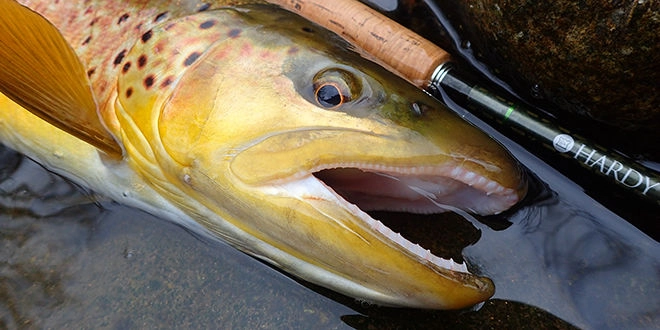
(248, 123)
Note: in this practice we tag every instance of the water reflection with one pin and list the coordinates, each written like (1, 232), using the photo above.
(569, 255)
(572, 264)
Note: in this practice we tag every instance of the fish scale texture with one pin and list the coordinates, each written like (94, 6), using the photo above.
(102, 34)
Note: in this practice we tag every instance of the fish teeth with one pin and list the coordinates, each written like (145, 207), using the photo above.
(418, 250)
(377, 226)
(472, 179)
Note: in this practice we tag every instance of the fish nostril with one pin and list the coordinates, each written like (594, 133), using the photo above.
(419, 109)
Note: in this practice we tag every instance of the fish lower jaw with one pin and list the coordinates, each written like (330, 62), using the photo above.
(310, 187)
(416, 189)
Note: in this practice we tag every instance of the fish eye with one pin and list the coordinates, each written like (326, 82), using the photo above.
(335, 87)
(329, 95)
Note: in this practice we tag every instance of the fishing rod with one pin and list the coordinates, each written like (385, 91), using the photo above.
(429, 67)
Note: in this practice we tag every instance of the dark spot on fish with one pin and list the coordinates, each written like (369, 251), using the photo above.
(91, 71)
(142, 61)
(169, 26)
(149, 81)
(204, 7)
(168, 81)
(293, 50)
(191, 59)
(87, 40)
(146, 36)
(129, 92)
(120, 57)
(208, 24)
(160, 17)
(122, 19)
(127, 66)
(94, 20)
(307, 29)
(234, 33)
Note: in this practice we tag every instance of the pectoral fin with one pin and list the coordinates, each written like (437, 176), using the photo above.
(40, 71)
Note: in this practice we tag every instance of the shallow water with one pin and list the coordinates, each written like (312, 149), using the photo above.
(74, 260)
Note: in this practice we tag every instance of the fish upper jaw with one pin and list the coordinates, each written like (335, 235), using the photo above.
(408, 174)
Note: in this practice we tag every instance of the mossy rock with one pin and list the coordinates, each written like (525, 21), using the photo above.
(598, 59)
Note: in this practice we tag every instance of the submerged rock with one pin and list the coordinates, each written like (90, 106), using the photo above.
(595, 64)
(599, 59)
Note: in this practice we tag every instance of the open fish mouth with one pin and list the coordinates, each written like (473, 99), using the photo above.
(320, 184)
(361, 188)
(424, 189)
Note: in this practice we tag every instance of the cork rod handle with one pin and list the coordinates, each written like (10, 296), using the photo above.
(403, 51)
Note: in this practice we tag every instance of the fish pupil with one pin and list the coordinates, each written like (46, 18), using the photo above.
(329, 96)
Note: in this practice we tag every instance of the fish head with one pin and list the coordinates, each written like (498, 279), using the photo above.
(288, 137)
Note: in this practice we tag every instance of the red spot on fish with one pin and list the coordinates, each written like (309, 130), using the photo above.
(234, 33)
(159, 47)
(149, 81)
(266, 55)
(94, 20)
(142, 61)
(120, 57)
(122, 19)
(169, 26)
(129, 92)
(293, 50)
(127, 66)
(246, 50)
(88, 11)
(72, 18)
(222, 53)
